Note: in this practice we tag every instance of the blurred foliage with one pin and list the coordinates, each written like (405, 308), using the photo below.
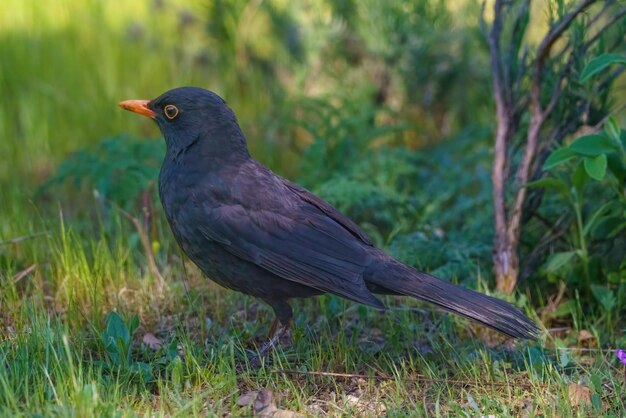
(119, 169)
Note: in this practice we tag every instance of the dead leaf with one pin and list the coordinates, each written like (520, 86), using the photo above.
(247, 398)
(366, 407)
(529, 410)
(579, 394)
(265, 407)
(352, 400)
(585, 335)
(151, 341)
(19, 276)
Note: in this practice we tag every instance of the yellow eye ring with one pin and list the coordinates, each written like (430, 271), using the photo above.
(170, 111)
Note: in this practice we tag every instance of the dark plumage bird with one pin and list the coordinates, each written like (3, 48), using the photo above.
(253, 231)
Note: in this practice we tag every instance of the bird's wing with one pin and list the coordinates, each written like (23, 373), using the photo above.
(330, 211)
(305, 246)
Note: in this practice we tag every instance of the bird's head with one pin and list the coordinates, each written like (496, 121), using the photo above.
(193, 117)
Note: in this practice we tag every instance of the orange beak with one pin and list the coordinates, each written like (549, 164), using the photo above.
(138, 106)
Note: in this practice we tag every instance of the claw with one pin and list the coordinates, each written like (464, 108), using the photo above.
(282, 337)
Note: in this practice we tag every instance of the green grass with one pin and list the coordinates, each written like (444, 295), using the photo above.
(66, 262)
(55, 362)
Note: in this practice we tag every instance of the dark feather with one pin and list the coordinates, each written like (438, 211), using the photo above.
(307, 248)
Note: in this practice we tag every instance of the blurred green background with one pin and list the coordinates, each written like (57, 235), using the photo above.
(67, 63)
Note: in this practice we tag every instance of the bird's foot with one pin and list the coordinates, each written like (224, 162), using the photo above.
(282, 338)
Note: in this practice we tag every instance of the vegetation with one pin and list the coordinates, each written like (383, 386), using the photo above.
(386, 109)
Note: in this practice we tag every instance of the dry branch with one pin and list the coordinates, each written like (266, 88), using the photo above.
(145, 242)
(420, 379)
(512, 103)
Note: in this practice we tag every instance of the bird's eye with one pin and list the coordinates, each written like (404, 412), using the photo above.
(170, 111)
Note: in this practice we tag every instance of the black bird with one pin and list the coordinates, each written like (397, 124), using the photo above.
(253, 231)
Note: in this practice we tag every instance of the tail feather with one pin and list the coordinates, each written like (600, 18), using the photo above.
(489, 311)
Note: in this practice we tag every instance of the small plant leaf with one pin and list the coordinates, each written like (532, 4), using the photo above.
(615, 228)
(598, 64)
(114, 338)
(592, 145)
(558, 156)
(115, 328)
(604, 295)
(596, 167)
(134, 324)
(613, 131)
(565, 309)
(563, 358)
(558, 260)
(579, 177)
(550, 182)
(596, 217)
(617, 166)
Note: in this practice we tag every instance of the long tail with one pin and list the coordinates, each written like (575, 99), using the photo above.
(494, 313)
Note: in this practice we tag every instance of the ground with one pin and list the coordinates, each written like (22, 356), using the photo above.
(187, 355)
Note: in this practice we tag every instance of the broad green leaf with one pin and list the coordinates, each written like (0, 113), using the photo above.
(115, 328)
(596, 167)
(592, 145)
(116, 337)
(558, 156)
(558, 260)
(598, 64)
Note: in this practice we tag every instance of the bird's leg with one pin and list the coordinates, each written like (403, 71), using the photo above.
(273, 328)
(270, 344)
(283, 312)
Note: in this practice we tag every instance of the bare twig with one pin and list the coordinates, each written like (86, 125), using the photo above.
(17, 240)
(589, 350)
(145, 242)
(20, 275)
(417, 379)
(503, 134)
(508, 223)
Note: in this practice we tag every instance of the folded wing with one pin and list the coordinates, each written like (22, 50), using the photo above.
(307, 247)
